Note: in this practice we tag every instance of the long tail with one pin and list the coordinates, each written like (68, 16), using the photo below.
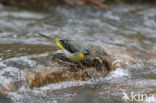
(48, 38)
(53, 40)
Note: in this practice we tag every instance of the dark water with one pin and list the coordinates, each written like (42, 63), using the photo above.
(121, 28)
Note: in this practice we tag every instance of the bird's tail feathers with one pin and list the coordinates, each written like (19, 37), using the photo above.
(48, 38)
(53, 40)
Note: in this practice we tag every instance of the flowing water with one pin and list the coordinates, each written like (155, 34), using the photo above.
(124, 27)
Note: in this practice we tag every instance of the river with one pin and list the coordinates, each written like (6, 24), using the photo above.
(125, 27)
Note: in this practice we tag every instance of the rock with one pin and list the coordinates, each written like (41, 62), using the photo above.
(99, 64)
(64, 70)
(49, 3)
(6, 88)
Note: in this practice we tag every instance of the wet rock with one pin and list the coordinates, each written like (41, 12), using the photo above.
(10, 87)
(48, 3)
(99, 64)
(95, 66)
(60, 69)
(5, 88)
(99, 3)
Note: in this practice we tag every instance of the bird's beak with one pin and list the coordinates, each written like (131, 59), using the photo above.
(86, 53)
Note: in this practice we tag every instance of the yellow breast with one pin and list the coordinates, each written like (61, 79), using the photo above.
(74, 56)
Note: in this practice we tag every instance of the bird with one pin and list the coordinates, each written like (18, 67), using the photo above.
(72, 49)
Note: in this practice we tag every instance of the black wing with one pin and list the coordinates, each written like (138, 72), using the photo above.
(69, 46)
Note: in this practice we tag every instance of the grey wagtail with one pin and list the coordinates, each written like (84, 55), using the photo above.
(73, 50)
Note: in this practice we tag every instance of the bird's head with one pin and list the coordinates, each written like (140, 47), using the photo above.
(86, 52)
